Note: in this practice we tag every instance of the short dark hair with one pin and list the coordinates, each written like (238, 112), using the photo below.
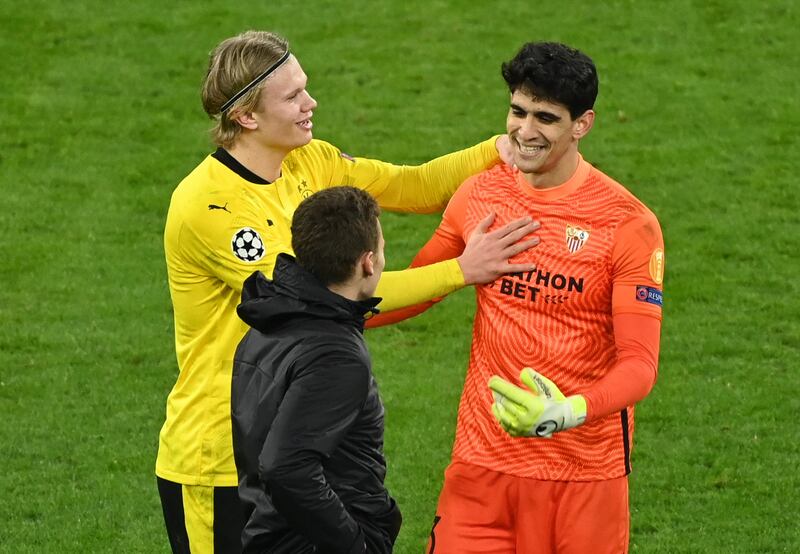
(554, 72)
(331, 229)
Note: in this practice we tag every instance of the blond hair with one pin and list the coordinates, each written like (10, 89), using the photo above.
(233, 64)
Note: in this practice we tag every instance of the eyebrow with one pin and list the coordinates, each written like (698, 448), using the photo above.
(294, 92)
(537, 113)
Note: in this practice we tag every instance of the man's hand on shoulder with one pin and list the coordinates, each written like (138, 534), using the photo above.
(505, 150)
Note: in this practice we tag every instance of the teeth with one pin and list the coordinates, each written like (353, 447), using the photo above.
(531, 149)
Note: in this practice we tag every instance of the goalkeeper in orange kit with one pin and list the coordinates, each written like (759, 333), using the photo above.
(542, 453)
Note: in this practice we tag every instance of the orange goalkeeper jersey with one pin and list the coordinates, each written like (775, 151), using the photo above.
(601, 256)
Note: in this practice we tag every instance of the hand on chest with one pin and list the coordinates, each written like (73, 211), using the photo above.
(573, 263)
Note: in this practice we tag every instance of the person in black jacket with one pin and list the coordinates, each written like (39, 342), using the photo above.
(306, 413)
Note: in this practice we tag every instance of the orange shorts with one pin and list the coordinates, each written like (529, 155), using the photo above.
(483, 511)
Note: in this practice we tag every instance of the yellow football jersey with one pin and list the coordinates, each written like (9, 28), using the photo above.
(223, 224)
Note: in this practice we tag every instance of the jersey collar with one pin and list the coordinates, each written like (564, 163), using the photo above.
(555, 193)
(225, 158)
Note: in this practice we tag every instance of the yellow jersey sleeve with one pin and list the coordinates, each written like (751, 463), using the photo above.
(424, 188)
(400, 289)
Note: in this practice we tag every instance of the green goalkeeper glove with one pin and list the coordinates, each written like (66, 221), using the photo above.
(535, 414)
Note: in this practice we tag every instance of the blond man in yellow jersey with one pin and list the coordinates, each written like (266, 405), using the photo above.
(231, 216)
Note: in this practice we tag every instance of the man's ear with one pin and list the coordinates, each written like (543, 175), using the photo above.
(367, 263)
(582, 125)
(245, 119)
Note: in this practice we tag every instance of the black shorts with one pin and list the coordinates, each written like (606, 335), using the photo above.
(215, 520)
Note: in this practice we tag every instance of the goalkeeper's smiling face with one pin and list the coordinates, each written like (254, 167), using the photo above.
(545, 138)
(286, 108)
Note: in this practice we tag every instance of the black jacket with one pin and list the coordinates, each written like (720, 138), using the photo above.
(308, 421)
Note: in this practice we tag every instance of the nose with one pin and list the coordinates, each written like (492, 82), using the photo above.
(527, 128)
(310, 103)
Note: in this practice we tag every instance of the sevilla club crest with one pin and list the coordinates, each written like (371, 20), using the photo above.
(576, 238)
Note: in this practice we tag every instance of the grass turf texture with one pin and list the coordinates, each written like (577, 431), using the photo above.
(101, 119)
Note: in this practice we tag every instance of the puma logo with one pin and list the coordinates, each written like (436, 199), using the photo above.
(215, 207)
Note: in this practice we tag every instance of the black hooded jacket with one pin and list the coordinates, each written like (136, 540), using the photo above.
(308, 421)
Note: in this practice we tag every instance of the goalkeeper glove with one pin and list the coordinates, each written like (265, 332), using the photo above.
(539, 413)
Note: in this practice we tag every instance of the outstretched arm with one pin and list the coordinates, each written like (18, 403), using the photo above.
(482, 260)
(424, 188)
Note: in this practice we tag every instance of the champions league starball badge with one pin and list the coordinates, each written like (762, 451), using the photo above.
(247, 245)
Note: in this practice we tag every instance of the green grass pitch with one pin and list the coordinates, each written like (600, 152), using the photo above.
(101, 118)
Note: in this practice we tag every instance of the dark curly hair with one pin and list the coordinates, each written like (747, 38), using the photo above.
(554, 72)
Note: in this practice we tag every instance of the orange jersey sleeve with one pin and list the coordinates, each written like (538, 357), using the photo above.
(637, 340)
(638, 274)
(638, 267)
